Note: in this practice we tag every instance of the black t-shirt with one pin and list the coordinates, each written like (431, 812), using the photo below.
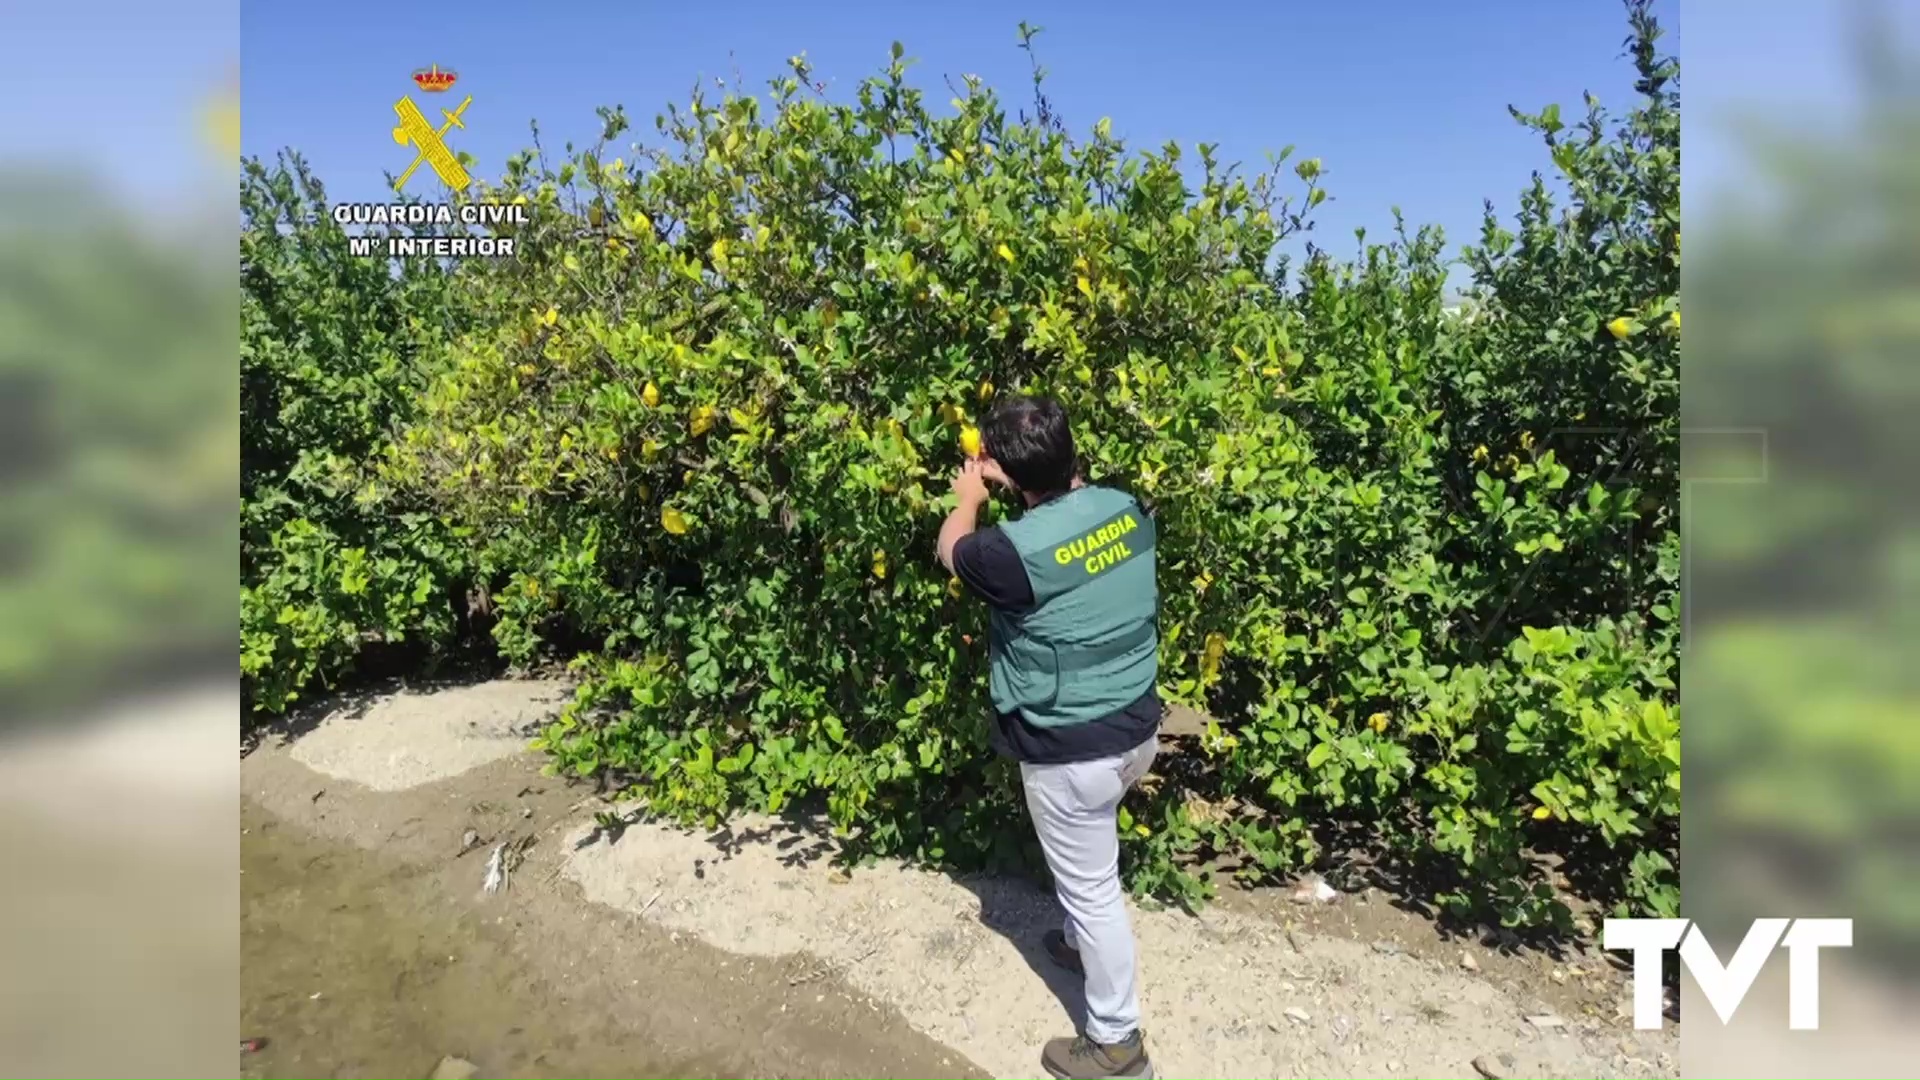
(987, 564)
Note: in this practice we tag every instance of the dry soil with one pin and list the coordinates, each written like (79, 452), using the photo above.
(371, 950)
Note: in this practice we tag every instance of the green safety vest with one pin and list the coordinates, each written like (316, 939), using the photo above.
(1089, 646)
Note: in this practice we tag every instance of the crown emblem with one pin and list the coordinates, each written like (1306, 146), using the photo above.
(433, 79)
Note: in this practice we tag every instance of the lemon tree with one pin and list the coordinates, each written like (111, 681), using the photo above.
(333, 352)
(1418, 560)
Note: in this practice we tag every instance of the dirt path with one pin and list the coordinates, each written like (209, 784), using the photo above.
(741, 952)
(368, 949)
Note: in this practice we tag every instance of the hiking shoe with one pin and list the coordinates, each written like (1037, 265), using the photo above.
(1083, 1059)
(1055, 942)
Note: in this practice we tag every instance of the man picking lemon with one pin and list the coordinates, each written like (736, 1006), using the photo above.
(1074, 654)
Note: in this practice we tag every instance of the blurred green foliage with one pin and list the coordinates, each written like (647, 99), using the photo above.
(116, 449)
(1805, 746)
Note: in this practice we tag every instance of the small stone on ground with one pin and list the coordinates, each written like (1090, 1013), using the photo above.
(454, 1068)
(1490, 1067)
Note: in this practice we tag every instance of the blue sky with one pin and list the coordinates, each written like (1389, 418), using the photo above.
(109, 92)
(1403, 100)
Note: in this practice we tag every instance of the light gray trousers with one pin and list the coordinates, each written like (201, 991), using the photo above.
(1076, 812)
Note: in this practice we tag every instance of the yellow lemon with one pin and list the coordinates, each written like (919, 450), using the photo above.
(702, 421)
(1216, 647)
(1541, 813)
(1480, 453)
(1620, 327)
(1378, 722)
(1675, 320)
(986, 387)
(1005, 252)
(550, 316)
(953, 588)
(673, 521)
(650, 395)
(880, 565)
(950, 413)
(970, 441)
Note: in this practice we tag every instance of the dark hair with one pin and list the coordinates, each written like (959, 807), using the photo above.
(1030, 440)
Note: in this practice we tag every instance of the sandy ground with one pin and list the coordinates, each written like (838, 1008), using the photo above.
(359, 962)
(117, 949)
(412, 737)
(929, 973)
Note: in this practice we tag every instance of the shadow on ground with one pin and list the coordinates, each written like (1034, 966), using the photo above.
(1019, 908)
(1355, 857)
(367, 687)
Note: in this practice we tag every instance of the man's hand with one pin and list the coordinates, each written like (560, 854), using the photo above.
(970, 483)
(970, 494)
(990, 469)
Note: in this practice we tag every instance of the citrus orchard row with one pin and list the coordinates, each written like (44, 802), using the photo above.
(1418, 563)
